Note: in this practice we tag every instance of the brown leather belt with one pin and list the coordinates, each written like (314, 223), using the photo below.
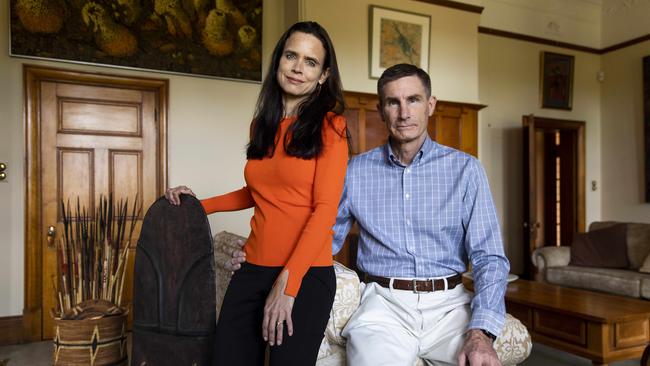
(417, 285)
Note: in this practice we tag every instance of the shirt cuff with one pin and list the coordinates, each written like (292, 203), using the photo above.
(489, 320)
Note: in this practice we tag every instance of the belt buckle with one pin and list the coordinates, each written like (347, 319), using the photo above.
(415, 286)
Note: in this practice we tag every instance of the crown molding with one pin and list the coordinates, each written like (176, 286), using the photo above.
(455, 5)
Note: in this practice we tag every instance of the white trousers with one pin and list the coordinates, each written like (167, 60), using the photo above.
(394, 327)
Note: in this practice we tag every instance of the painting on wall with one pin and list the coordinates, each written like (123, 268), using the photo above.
(217, 38)
(397, 37)
(646, 123)
(556, 80)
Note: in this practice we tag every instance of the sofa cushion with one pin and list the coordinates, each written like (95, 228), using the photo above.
(645, 287)
(645, 267)
(601, 248)
(615, 281)
(638, 240)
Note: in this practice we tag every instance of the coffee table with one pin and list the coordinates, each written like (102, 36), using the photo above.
(600, 327)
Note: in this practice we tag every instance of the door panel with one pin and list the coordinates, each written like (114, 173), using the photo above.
(98, 134)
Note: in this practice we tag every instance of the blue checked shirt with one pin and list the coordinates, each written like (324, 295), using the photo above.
(424, 220)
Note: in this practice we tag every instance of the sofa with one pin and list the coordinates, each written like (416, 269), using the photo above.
(554, 265)
(513, 345)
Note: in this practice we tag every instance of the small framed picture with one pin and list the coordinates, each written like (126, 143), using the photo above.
(398, 37)
(556, 80)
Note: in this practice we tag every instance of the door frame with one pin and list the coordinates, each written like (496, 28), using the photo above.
(33, 75)
(545, 123)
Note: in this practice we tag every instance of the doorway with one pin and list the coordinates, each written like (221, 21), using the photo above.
(86, 135)
(554, 184)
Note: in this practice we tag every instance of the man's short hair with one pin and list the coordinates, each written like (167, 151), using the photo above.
(399, 71)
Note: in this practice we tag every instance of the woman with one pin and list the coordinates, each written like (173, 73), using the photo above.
(297, 157)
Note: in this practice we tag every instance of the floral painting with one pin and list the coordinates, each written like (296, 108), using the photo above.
(217, 38)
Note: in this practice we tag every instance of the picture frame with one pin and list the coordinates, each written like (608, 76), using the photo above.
(646, 123)
(208, 39)
(556, 80)
(397, 37)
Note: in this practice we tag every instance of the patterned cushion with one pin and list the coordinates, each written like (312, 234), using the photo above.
(346, 301)
(513, 345)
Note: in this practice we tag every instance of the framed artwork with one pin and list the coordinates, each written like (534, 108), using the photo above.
(646, 123)
(556, 80)
(398, 37)
(221, 39)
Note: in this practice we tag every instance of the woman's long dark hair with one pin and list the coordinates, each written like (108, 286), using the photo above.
(305, 133)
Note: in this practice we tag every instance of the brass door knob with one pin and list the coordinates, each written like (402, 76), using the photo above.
(51, 235)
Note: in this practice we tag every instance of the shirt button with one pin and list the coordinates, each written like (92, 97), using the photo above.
(408, 170)
(407, 196)
(408, 222)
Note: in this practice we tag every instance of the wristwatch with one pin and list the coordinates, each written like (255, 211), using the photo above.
(489, 335)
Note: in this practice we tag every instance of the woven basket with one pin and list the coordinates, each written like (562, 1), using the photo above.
(94, 342)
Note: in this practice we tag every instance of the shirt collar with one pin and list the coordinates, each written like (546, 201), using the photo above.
(426, 148)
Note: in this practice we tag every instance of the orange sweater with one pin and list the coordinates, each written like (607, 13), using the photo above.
(296, 202)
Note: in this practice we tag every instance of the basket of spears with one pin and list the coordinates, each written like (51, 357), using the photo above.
(92, 256)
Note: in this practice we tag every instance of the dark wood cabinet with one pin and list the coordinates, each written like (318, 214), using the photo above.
(453, 124)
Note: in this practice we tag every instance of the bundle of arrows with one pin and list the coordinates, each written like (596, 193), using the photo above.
(92, 257)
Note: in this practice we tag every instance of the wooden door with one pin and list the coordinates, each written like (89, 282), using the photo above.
(530, 220)
(553, 184)
(89, 135)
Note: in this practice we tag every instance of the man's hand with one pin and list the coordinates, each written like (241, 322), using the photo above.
(237, 257)
(478, 350)
(277, 311)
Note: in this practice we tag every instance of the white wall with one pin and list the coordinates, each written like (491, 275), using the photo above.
(207, 132)
(509, 85)
(453, 58)
(622, 135)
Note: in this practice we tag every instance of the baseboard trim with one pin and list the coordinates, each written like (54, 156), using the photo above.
(11, 330)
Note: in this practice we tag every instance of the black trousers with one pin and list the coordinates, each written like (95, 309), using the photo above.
(239, 328)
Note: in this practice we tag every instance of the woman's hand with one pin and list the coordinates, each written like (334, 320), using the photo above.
(277, 311)
(173, 194)
(237, 257)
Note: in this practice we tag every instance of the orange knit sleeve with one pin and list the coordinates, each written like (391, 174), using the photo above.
(233, 201)
(329, 177)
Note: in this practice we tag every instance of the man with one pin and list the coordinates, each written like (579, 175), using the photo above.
(423, 211)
